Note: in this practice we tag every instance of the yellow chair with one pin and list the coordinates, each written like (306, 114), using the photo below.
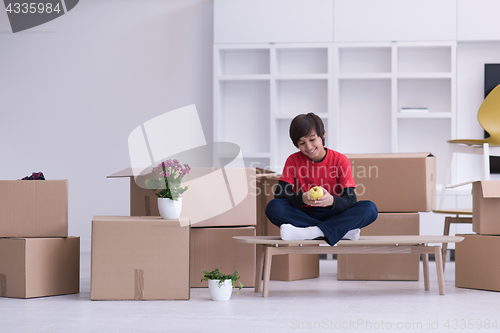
(489, 119)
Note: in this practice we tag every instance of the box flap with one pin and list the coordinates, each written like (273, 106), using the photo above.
(491, 188)
(127, 172)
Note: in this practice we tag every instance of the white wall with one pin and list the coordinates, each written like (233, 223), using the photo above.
(72, 90)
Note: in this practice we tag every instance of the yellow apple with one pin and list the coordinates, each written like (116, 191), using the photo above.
(316, 192)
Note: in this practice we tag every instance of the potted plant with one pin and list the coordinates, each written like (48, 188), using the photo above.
(220, 285)
(165, 181)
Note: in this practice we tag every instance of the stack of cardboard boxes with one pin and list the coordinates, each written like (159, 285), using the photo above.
(37, 258)
(212, 214)
(401, 185)
(477, 257)
(286, 267)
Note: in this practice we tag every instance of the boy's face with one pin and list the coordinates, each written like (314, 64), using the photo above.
(311, 145)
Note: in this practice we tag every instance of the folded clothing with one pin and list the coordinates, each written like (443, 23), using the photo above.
(35, 176)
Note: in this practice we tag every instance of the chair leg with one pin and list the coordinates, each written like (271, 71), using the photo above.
(447, 222)
(447, 173)
(486, 162)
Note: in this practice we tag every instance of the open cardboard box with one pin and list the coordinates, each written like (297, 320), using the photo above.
(485, 206)
(216, 197)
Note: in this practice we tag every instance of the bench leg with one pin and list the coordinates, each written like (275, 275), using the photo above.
(425, 263)
(447, 222)
(267, 271)
(439, 269)
(259, 267)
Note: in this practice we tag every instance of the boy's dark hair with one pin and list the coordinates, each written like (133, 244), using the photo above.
(303, 124)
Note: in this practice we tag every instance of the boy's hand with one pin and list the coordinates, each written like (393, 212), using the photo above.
(324, 201)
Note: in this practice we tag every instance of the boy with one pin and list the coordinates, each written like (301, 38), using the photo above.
(335, 215)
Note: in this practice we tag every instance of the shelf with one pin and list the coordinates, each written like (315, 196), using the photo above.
(302, 60)
(284, 77)
(424, 115)
(244, 61)
(301, 96)
(424, 59)
(249, 77)
(365, 60)
(290, 117)
(417, 76)
(365, 76)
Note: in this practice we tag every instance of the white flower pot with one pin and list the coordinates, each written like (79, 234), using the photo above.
(169, 209)
(222, 293)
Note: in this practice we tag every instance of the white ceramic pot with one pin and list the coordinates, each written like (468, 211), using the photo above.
(169, 209)
(222, 293)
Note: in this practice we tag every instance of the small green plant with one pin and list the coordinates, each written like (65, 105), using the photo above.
(217, 275)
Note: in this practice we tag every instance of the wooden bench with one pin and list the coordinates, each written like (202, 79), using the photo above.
(268, 246)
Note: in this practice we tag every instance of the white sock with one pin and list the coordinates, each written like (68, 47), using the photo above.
(352, 234)
(290, 232)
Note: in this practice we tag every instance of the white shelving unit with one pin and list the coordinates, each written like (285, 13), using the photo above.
(374, 81)
(358, 89)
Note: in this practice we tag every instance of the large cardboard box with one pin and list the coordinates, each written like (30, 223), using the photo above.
(216, 197)
(139, 258)
(33, 208)
(486, 207)
(213, 248)
(383, 267)
(396, 182)
(35, 267)
(477, 262)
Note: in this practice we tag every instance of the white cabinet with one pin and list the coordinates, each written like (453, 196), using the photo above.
(260, 88)
(276, 21)
(394, 20)
(478, 20)
(395, 97)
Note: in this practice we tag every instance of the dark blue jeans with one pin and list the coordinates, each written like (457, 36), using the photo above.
(333, 224)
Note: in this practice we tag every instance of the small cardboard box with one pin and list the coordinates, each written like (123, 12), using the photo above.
(216, 197)
(213, 248)
(477, 262)
(291, 267)
(396, 182)
(266, 185)
(486, 207)
(139, 258)
(35, 267)
(383, 267)
(33, 208)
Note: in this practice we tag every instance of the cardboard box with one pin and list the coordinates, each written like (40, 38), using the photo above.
(396, 182)
(139, 258)
(216, 197)
(291, 267)
(213, 248)
(383, 267)
(486, 207)
(266, 185)
(33, 208)
(35, 267)
(477, 262)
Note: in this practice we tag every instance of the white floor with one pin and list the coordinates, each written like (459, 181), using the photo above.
(320, 304)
